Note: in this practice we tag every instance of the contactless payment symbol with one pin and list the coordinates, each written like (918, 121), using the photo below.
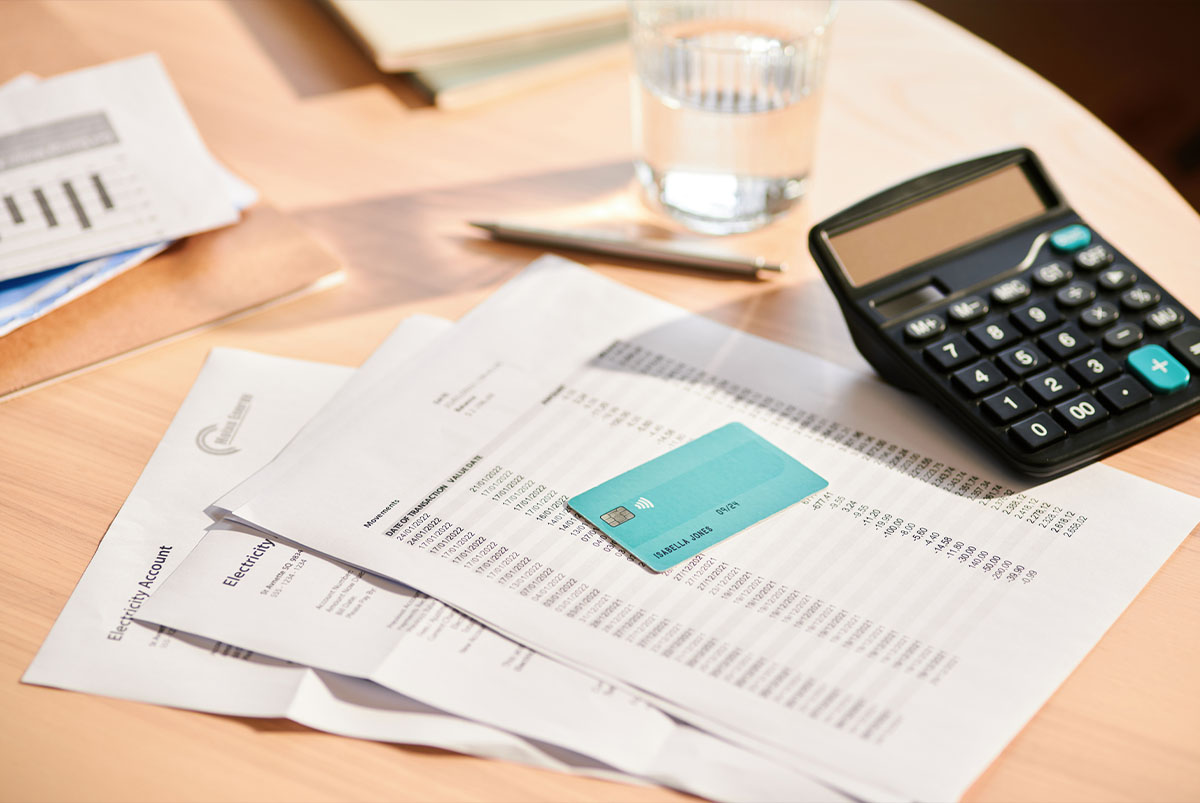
(643, 503)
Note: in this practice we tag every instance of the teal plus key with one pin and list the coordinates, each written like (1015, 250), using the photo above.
(1158, 369)
(1071, 238)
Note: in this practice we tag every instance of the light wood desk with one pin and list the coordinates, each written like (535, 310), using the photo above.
(282, 97)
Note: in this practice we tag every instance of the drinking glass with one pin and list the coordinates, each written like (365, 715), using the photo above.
(725, 101)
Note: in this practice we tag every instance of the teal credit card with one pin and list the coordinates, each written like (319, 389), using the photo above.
(681, 503)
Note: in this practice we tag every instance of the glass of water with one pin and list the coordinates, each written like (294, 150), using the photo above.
(725, 102)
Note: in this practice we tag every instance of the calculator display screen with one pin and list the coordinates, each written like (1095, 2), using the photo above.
(953, 218)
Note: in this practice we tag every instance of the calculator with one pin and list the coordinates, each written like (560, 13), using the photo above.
(979, 287)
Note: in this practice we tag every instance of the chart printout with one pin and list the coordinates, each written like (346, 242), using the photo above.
(890, 634)
(98, 161)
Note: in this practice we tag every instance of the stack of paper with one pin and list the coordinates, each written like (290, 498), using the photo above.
(463, 52)
(883, 639)
(100, 169)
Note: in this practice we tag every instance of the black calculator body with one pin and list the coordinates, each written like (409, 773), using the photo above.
(979, 287)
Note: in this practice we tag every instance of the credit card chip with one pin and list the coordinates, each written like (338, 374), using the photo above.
(617, 516)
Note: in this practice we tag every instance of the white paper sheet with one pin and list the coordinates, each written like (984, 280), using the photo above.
(242, 409)
(98, 161)
(891, 634)
(293, 604)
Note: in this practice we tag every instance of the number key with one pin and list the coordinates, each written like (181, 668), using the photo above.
(951, 353)
(993, 335)
(977, 379)
(1036, 317)
(1037, 431)
(1022, 360)
(1008, 404)
(1093, 367)
(1065, 342)
(1081, 412)
(1050, 386)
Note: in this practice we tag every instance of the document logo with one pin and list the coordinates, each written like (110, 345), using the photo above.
(218, 438)
(643, 503)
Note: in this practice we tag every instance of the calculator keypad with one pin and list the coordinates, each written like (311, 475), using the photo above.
(1055, 353)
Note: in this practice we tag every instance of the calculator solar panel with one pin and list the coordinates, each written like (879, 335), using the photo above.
(979, 287)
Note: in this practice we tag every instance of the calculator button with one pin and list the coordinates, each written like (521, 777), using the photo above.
(1050, 386)
(1037, 431)
(993, 335)
(1081, 412)
(1022, 360)
(1036, 317)
(968, 309)
(1117, 278)
(1186, 345)
(1075, 293)
(1140, 297)
(924, 327)
(1101, 314)
(1008, 404)
(1164, 318)
(1011, 292)
(1123, 336)
(1071, 238)
(977, 379)
(1065, 342)
(1093, 367)
(1094, 258)
(1051, 274)
(1157, 368)
(951, 353)
(1124, 393)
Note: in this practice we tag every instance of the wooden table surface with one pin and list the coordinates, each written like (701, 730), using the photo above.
(283, 98)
